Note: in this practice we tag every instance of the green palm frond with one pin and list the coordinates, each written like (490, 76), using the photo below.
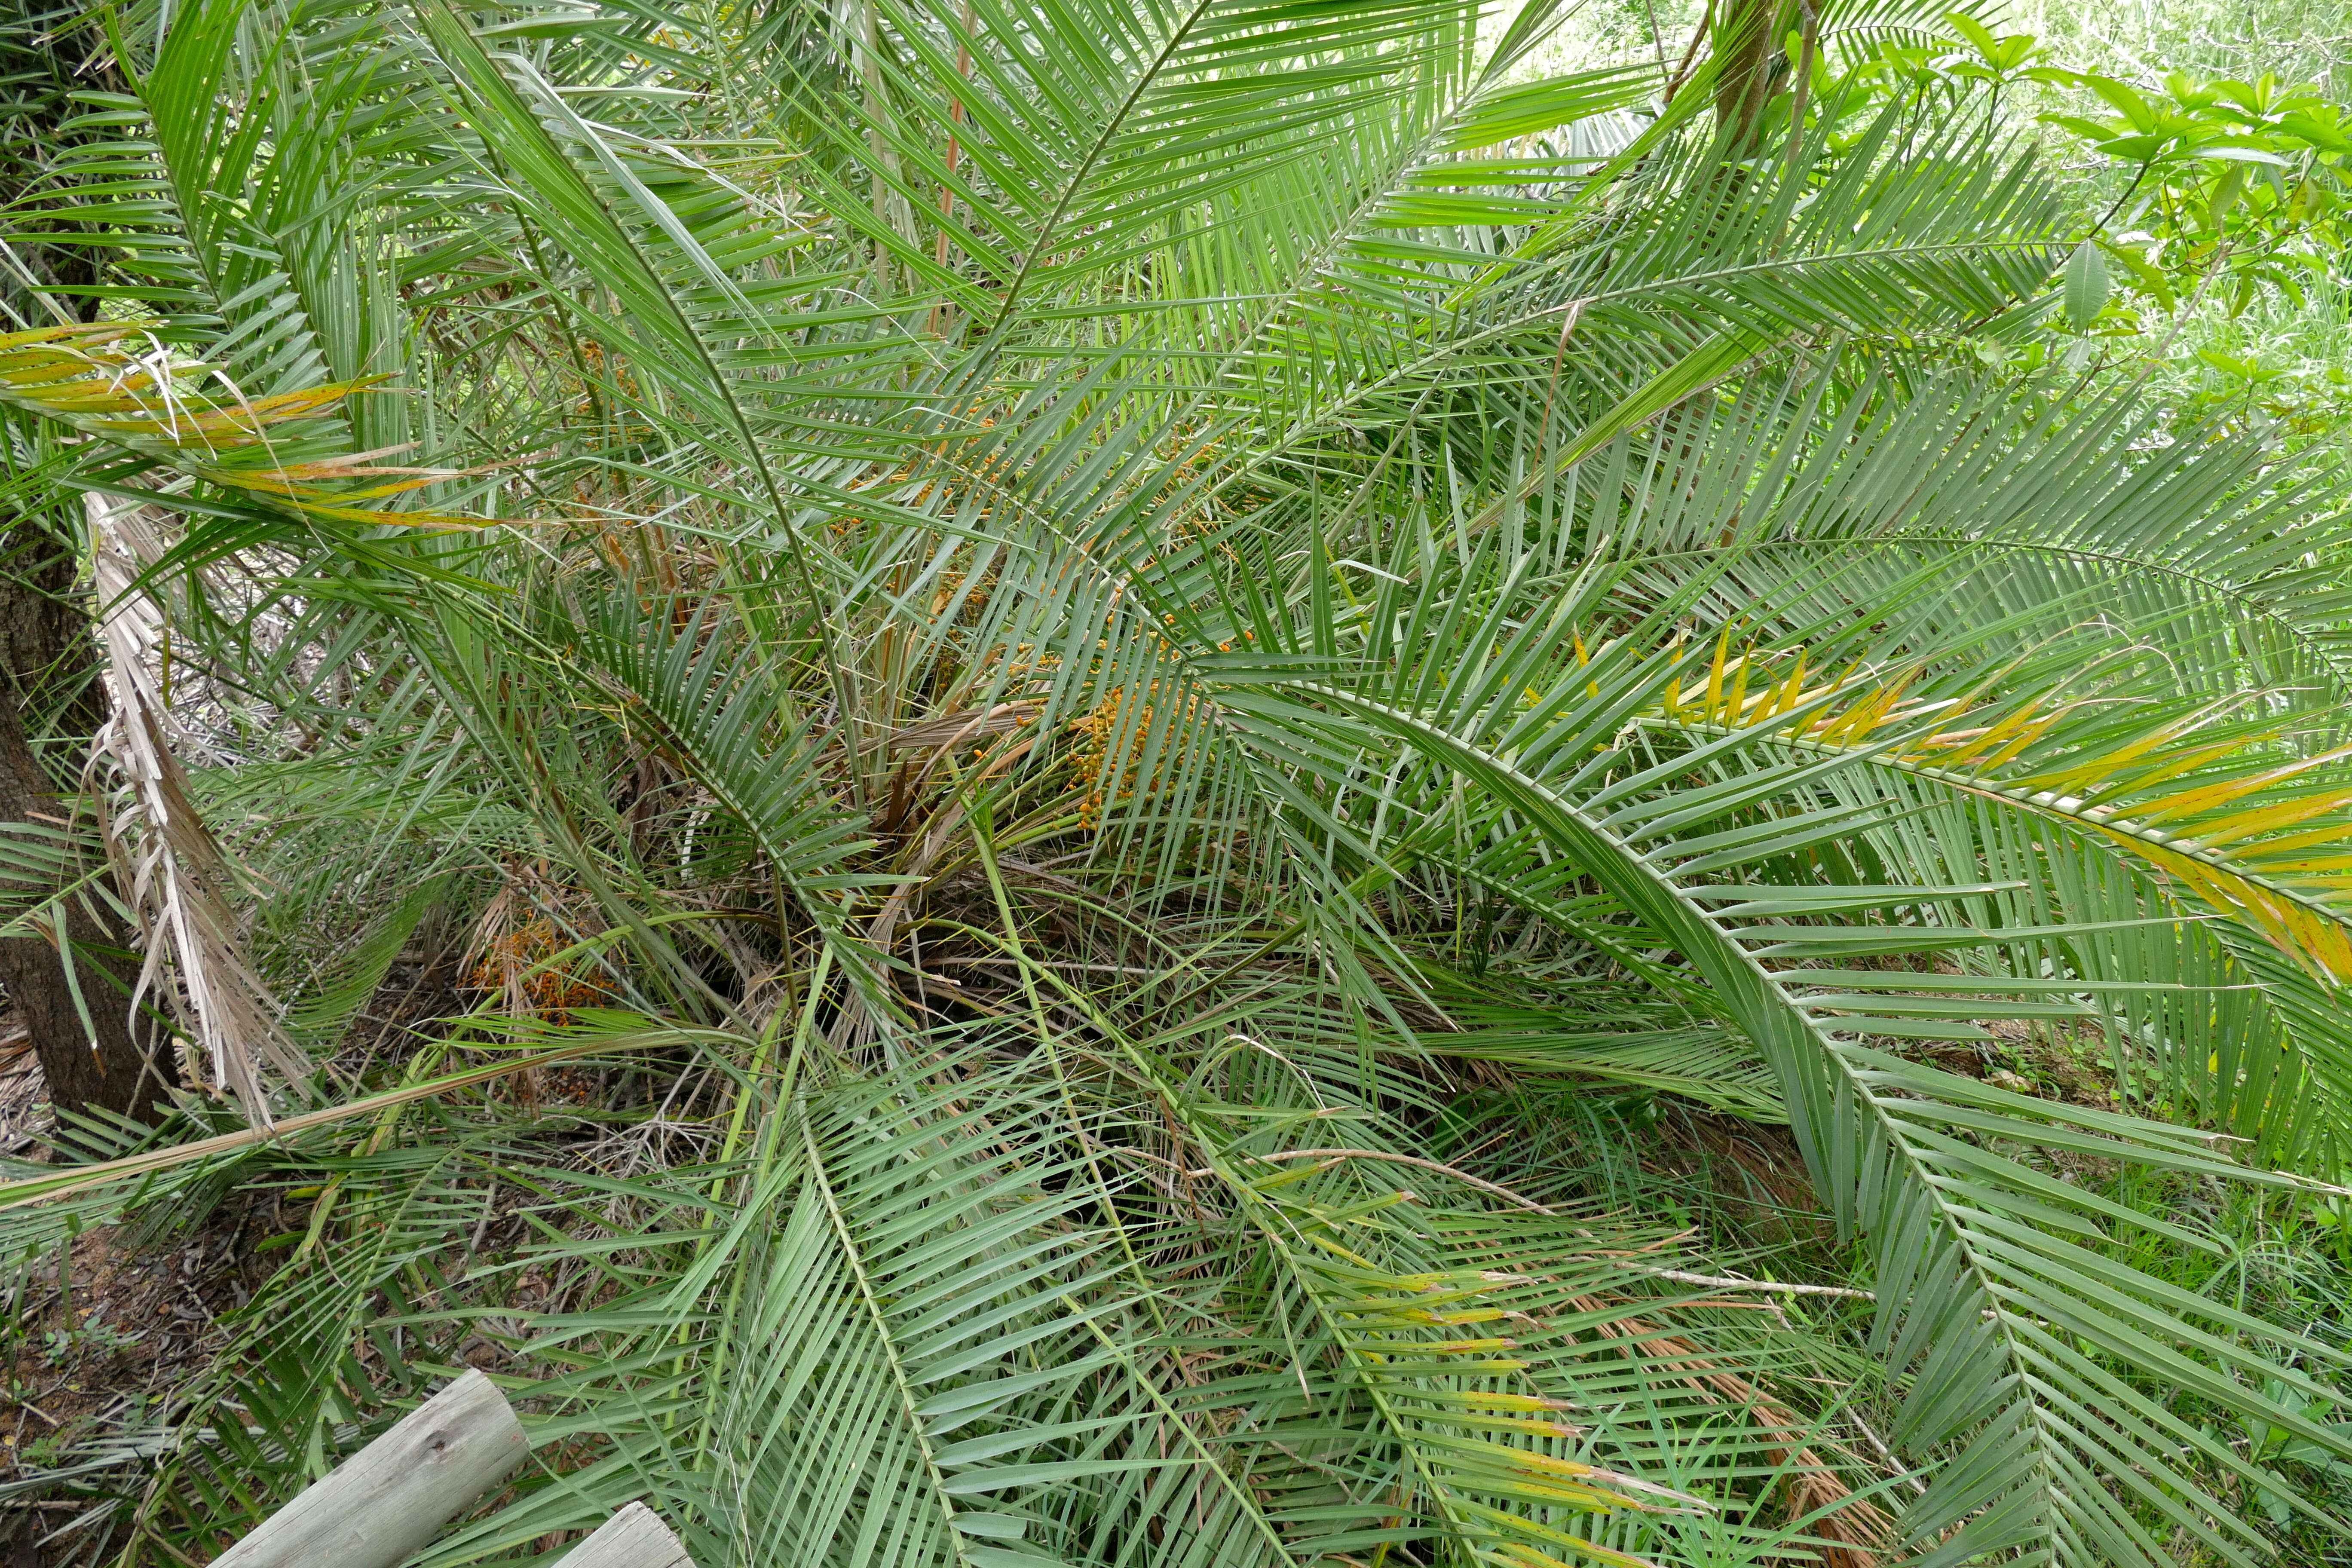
(1971, 1289)
(1156, 649)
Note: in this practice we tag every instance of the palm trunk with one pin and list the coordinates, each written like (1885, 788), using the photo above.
(93, 1053)
(1745, 34)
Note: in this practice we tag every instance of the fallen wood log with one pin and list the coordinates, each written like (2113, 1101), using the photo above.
(376, 1508)
(634, 1538)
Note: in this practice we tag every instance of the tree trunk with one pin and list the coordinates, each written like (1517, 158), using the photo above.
(49, 661)
(1745, 34)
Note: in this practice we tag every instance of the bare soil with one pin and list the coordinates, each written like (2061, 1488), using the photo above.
(87, 1353)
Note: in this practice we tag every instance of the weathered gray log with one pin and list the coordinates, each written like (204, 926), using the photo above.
(634, 1538)
(379, 1505)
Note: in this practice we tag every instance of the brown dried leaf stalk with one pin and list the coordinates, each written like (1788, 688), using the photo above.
(169, 870)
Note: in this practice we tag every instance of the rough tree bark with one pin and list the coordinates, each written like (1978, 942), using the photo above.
(1745, 33)
(49, 696)
(48, 662)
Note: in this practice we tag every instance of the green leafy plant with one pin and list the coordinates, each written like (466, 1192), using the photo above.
(2238, 181)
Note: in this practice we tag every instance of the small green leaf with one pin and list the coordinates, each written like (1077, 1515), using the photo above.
(2141, 149)
(2086, 285)
(2128, 104)
(2225, 196)
(1974, 31)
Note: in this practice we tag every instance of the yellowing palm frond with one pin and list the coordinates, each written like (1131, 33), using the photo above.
(90, 379)
(2236, 858)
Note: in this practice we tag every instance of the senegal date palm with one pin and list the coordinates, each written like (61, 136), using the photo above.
(1092, 711)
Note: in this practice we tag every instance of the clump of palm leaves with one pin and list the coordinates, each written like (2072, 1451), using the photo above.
(1033, 785)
